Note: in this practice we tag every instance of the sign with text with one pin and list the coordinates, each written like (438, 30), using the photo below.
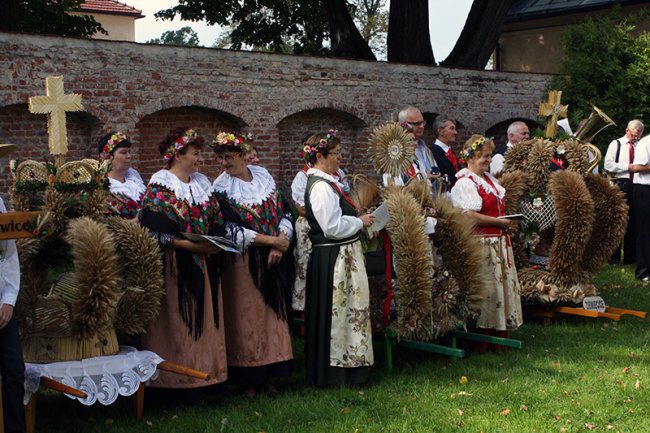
(12, 224)
(594, 303)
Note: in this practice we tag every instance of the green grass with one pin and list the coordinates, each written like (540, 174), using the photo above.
(571, 376)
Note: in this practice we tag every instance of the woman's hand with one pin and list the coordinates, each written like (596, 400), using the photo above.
(275, 256)
(6, 311)
(510, 226)
(367, 219)
(281, 243)
(196, 247)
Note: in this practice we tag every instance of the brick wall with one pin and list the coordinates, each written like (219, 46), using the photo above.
(144, 90)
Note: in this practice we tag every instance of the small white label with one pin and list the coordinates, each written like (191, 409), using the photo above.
(594, 303)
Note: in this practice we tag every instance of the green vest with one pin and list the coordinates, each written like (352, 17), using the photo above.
(316, 234)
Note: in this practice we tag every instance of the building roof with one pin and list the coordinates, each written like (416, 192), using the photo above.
(522, 10)
(109, 7)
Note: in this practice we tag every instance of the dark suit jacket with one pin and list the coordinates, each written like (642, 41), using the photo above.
(444, 164)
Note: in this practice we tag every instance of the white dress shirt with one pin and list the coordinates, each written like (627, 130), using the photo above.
(620, 168)
(9, 269)
(497, 160)
(642, 157)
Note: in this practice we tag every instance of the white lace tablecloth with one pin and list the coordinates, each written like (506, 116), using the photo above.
(103, 378)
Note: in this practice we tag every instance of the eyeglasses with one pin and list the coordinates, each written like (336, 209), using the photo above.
(420, 123)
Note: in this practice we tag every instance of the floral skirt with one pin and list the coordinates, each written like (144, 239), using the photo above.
(301, 256)
(501, 307)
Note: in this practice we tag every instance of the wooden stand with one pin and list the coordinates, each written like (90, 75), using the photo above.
(391, 341)
(30, 409)
(547, 314)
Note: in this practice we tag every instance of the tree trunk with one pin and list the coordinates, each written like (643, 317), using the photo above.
(480, 35)
(409, 40)
(9, 16)
(344, 36)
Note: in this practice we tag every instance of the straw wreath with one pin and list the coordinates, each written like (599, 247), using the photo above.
(391, 149)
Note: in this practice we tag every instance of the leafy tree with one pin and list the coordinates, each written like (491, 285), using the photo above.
(371, 18)
(47, 16)
(606, 63)
(185, 36)
(267, 24)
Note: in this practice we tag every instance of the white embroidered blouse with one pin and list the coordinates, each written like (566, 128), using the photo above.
(465, 194)
(133, 186)
(327, 211)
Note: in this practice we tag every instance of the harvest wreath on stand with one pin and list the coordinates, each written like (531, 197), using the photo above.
(85, 277)
(573, 218)
(439, 278)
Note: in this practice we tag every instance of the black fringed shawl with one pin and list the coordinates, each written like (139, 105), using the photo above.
(273, 283)
(167, 217)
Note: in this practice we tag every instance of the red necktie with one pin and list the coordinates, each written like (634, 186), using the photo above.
(452, 158)
(631, 143)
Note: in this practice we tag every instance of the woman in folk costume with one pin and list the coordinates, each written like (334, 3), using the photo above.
(257, 283)
(125, 184)
(482, 199)
(303, 245)
(338, 347)
(178, 200)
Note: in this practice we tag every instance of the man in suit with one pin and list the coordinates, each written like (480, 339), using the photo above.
(517, 132)
(445, 129)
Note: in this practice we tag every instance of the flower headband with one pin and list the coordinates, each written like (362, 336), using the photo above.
(180, 143)
(115, 139)
(476, 145)
(229, 139)
(307, 151)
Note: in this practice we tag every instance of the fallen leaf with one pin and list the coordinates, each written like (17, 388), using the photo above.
(453, 395)
(174, 416)
(567, 393)
(626, 369)
(627, 400)
(556, 417)
(631, 354)
(563, 430)
(109, 421)
(460, 412)
(630, 411)
(504, 412)
(149, 423)
(523, 407)
(637, 384)
(463, 380)
(258, 414)
(609, 427)
(589, 426)
(464, 393)
(404, 411)
(346, 410)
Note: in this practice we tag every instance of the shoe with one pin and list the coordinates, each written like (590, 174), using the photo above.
(271, 390)
(645, 279)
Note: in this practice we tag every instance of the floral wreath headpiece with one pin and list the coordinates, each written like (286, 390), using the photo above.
(307, 151)
(113, 141)
(242, 142)
(476, 145)
(180, 143)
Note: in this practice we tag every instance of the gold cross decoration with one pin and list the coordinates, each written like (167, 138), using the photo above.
(553, 112)
(55, 105)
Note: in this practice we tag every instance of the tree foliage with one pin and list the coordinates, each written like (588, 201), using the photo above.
(371, 18)
(271, 24)
(606, 63)
(47, 16)
(185, 36)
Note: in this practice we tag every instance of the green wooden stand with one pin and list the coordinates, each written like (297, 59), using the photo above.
(472, 336)
(391, 341)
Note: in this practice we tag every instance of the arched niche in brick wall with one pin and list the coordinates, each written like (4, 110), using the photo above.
(151, 129)
(500, 130)
(29, 132)
(293, 129)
